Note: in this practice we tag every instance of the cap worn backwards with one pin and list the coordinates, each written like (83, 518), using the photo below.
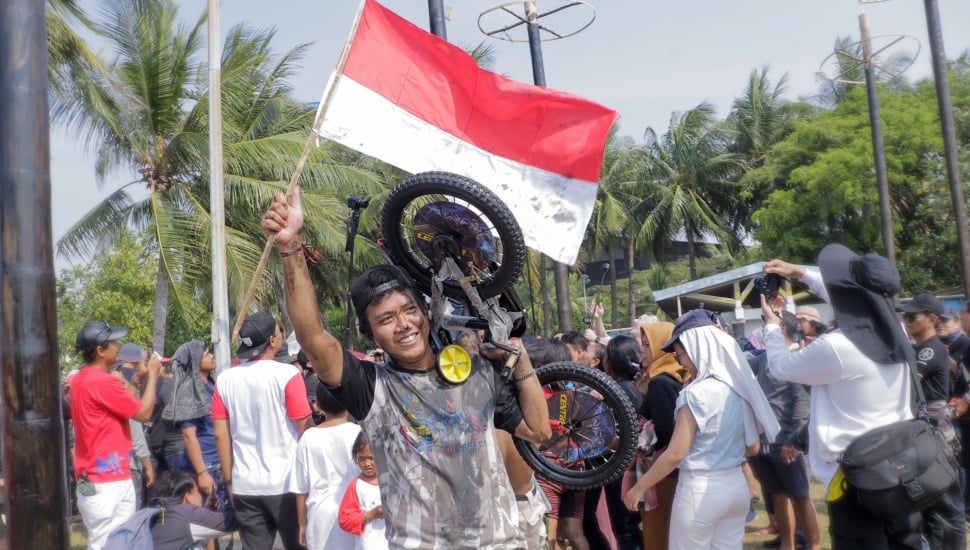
(254, 335)
(375, 282)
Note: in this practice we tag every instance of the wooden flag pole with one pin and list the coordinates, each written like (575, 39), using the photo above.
(298, 172)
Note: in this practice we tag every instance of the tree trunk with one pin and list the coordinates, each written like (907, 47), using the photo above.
(161, 307)
(34, 470)
(614, 314)
(691, 259)
(544, 293)
(563, 303)
(630, 250)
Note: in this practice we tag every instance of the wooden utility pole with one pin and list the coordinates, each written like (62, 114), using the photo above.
(33, 430)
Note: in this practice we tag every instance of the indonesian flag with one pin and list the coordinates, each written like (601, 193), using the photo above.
(419, 103)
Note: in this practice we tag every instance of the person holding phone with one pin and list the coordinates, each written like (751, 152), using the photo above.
(101, 406)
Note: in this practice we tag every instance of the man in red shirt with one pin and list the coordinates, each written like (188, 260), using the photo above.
(101, 406)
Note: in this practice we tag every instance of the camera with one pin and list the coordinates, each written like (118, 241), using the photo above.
(767, 285)
(357, 203)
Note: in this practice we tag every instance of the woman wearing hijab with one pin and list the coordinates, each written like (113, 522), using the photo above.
(665, 378)
(720, 415)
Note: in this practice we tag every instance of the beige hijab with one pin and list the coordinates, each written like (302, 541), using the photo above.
(656, 335)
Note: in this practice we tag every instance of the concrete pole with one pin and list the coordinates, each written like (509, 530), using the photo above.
(217, 199)
(878, 146)
(949, 137)
(33, 429)
(560, 270)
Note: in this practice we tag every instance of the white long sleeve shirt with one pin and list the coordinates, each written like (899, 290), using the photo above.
(851, 394)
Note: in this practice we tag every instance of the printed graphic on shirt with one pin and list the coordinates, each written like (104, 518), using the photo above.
(110, 464)
(453, 429)
(925, 354)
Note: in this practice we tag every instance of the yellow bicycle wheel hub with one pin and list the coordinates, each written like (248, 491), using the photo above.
(454, 364)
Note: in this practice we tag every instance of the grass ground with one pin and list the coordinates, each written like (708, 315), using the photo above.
(817, 492)
(79, 540)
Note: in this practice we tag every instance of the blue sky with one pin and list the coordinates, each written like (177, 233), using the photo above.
(643, 58)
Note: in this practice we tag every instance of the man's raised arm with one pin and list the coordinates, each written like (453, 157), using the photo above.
(285, 221)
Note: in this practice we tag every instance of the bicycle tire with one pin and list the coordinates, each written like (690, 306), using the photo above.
(602, 433)
(474, 201)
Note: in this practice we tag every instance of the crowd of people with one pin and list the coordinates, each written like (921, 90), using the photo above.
(332, 449)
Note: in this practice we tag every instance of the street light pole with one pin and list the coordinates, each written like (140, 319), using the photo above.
(217, 199)
(436, 16)
(560, 271)
(878, 146)
(949, 137)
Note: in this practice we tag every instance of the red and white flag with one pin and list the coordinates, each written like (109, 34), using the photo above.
(419, 103)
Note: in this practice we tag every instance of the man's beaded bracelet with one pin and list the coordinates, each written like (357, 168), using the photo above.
(522, 377)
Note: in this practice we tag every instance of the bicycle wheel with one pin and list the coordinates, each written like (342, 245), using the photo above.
(433, 212)
(594, 428)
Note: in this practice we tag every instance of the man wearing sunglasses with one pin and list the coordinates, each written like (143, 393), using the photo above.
(101, 405)
(943, 523)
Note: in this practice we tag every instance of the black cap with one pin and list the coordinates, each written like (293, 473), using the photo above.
(97, 334)
(692, 319)
(375, 282)
(254, 335)
(924, 302)
(949, 313)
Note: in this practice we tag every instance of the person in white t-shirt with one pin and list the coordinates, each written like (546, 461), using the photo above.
(859, 374)
(361, 512)
(259, 411)
(324, 467)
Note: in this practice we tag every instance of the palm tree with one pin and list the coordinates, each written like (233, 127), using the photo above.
(611, 211)
(686, 182)
(148, 113)
(758, 116)
(759, 119)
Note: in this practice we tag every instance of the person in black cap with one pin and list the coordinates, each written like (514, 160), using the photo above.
(860, 381)
(259, 412)
(944, 525)
(443, 483)
(101, 406)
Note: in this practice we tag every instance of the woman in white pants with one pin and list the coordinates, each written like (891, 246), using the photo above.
(719, 417)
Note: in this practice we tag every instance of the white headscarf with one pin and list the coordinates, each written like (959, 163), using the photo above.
(717, 355)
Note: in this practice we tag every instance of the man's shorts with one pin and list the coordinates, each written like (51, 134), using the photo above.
(777, 477)
(565, 503)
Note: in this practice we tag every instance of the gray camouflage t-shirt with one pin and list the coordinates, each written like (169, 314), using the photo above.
(442, 479)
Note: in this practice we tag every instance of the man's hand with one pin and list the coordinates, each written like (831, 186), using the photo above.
(206, 484)
(154, 365)
(148, 473)
(771, 311)
(285, 220)
(783, 268)
(596, 310)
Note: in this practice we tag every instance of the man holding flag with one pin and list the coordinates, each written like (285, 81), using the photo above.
(419, 103)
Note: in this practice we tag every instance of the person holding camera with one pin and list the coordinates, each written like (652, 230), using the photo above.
(780, 467)
(101, 406)
(860, 381)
